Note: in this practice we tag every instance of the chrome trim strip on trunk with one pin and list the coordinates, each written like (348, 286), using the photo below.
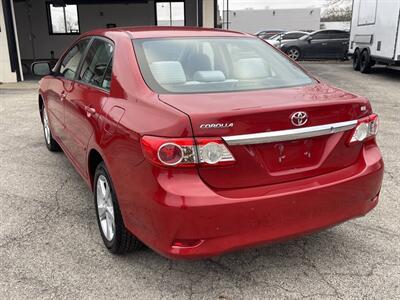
(289, 134)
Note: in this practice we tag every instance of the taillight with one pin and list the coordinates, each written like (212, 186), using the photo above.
(171, 154)
(186, 152)
(212, 151)
(366, 128)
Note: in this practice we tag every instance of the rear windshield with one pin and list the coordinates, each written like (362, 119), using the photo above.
(205, 65)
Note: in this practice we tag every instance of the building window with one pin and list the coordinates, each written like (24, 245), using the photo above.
(63, 19)
(170, 13)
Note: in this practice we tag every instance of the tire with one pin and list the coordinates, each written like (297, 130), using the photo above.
(51, 143)
(365, 62)
(294, 53)
(356, 60)
(116, 238)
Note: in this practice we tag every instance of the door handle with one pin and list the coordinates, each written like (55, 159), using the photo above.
(90, 111)
(324, 44)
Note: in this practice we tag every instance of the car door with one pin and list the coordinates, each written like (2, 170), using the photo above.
(60, 85)
(84, 102)
(318, 46)
(339, 43)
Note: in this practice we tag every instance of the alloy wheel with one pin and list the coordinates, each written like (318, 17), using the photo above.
(105, 207)
(293, 53)
(46, 127)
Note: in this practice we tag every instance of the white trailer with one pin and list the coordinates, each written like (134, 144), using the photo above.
(375, 34)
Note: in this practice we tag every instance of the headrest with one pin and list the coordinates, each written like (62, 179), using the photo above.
(200, 61)
(197, 62)
(168, 72)
(209, 76)
(250, 68)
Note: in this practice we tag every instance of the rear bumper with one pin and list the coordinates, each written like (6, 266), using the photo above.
(186, 209)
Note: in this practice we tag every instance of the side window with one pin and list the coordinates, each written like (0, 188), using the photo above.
(297, 35)
(337, 34)
(95, 64)
(290, 36)
(70, 63)
(321, 36)
(341, 35)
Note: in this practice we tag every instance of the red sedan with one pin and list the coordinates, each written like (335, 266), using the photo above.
(197, 142)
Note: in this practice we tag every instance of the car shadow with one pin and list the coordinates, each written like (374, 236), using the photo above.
(385, 73)
(312, 257)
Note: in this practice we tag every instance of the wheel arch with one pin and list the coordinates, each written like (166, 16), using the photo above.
(360, 50)
(365, 49)
(293, 47)
(41, 106)
(94, 159)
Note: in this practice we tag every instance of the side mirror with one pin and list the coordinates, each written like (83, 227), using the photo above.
(41, 68)
(309, 39)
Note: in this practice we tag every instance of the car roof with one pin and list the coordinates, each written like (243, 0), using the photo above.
(167, 31)
(270, 30)
(296, 31)
(323, 30)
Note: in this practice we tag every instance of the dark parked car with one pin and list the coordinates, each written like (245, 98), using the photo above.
(266, 34)
(318, 44)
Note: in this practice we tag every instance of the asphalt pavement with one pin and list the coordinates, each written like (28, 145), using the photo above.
(50, 246)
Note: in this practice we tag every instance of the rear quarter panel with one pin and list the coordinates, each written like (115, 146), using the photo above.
(131, 111)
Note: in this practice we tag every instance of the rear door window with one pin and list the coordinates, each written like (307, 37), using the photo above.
(321, 36)
(334, 34)
(340, 35)
(96, 63)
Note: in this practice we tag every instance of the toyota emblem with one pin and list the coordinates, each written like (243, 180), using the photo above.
(299, 118)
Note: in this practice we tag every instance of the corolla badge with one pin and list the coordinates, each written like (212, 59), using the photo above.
(216, 125)
(299, 118)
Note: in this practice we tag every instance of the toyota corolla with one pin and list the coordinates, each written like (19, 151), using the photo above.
(197, 142)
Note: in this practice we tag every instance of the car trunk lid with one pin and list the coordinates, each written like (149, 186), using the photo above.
(233, 116)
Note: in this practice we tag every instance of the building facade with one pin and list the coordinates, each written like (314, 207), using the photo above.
(32, 30)
(254, 20)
